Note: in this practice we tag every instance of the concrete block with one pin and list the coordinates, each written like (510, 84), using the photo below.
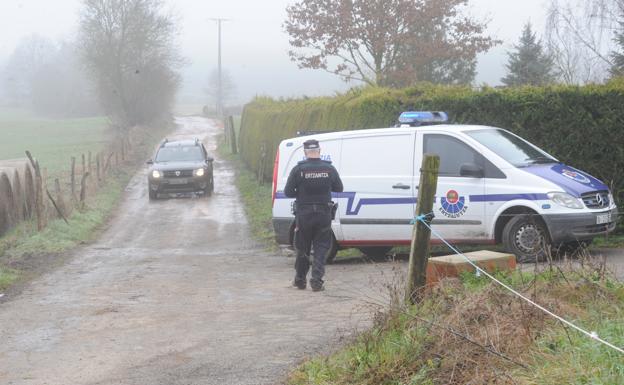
(453, 265)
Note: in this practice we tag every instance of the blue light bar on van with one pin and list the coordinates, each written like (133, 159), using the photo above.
(417, 118)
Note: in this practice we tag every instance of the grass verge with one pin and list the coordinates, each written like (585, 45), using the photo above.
(256, 197)
(468, 330)
(612, 241)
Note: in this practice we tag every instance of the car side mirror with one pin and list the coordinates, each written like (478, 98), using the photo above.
(471, 170)
(150, 162)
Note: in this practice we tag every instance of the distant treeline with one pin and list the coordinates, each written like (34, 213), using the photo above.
(47, 78)
(582, 126)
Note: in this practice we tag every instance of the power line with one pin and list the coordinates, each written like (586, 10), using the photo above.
(219, 104)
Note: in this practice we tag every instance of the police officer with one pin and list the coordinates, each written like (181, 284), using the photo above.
(311, 182)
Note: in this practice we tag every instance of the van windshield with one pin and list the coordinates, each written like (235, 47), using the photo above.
(510, 147)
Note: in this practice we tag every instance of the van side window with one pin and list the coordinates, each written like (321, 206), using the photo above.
(364, 155)
(454, 153)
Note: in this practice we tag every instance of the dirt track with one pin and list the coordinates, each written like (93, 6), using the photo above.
(176, 292)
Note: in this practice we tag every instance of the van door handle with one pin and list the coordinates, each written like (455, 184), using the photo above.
(401, 186)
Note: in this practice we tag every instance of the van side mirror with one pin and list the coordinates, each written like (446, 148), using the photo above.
(150, 162)
(471, 170)
(209, 159)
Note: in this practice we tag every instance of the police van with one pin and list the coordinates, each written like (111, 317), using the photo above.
(493, 187)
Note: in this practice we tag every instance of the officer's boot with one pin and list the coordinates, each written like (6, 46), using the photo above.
(302, 265)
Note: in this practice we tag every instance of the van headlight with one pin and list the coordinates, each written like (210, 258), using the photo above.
(565, 200)
(156, 174)
(199, 172)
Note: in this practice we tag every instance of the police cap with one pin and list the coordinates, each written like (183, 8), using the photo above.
(311, 144)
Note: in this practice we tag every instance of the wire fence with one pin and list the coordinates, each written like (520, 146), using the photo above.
(27, 193)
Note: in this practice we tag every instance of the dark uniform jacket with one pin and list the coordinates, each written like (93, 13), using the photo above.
(312, 181)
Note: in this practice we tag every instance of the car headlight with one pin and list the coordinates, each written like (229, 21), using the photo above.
(156, 174)
(199, 172)
(611, 200)
(565, 200)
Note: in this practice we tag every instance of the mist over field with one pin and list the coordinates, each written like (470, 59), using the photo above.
(255, 50)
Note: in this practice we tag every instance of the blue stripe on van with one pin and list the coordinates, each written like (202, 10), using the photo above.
(507, 197)
(350, 196)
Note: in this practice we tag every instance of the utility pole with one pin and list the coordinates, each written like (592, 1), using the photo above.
(219, 104)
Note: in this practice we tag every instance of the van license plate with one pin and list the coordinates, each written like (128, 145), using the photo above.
(603, 218)
(178, 181)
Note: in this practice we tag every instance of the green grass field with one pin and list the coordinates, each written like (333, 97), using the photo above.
(52, 141)
(23, 250)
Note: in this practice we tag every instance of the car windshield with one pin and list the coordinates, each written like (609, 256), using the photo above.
(510, 147)
(179, 154)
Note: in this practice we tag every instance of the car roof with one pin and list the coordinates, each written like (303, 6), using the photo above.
(181, 143)
(391, 130)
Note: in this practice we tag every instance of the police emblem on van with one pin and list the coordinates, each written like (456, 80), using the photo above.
(453, 205)
(577, 176)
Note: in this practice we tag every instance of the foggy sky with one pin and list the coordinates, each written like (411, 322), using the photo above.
(254, 43)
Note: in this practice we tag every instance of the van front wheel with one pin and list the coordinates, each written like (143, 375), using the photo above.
(526, 236)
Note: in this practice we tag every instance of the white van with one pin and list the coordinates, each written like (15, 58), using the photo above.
(493, 187)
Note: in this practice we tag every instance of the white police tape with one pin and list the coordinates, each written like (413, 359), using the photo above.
(593, 335)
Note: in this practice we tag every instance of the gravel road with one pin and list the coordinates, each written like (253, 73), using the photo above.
(176, 292)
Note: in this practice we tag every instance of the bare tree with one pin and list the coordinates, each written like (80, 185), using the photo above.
(19, 73)
(580, 35)
(228, 87)
(48, 78)
(387, 42)
(129, 47)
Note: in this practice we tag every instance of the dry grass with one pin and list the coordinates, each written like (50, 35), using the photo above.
(471, 331)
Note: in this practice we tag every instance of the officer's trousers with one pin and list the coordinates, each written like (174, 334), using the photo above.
(312, 234)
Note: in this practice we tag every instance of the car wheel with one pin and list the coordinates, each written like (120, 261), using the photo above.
(208, 191)
(375, 251)
(526, 236)
(153, 195)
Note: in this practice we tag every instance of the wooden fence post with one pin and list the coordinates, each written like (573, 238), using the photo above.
(233, 139)
(83, 188)
(84, 165)
(261, 164)
(59, 203)
(73, 179)
(38, 192)
(97, 167)
(421, 234)
(107, 165)
(226, 131)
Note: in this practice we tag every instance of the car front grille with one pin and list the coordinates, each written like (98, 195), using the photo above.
(596, 199)
(182, 174)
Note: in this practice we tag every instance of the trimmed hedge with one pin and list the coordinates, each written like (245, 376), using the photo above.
(582, 126)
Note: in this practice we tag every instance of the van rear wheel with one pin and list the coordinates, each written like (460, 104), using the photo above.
(333, 250)
(375, 251)
(331, 253)
(526, 236)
